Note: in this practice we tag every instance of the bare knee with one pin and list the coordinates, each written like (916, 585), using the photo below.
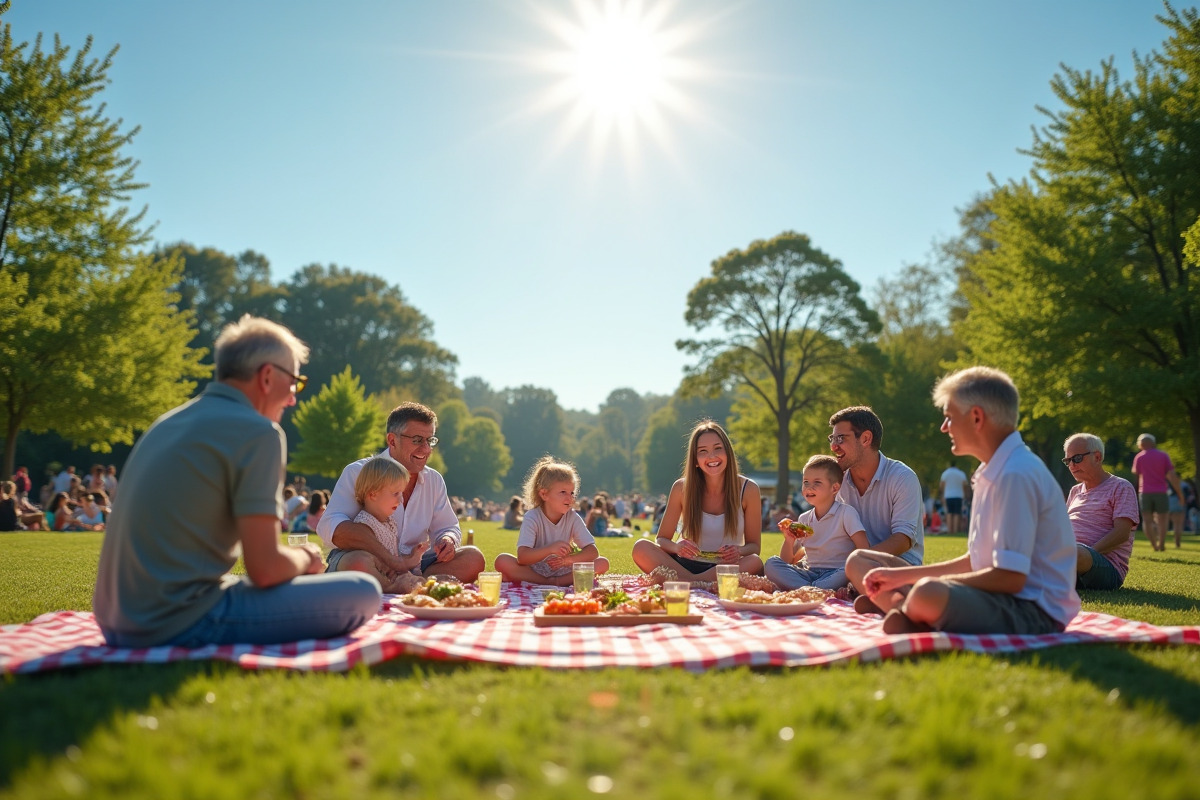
(1083, 559)
(926, 602)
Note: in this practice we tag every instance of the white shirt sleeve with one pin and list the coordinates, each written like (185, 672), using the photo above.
(342, 507)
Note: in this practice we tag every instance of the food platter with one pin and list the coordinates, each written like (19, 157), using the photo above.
(543, 620)
(772, 609)
(467, 612)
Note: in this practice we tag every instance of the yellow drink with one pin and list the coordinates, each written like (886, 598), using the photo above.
(583, 573)
(489, 586)
(676, 595)
(727, 586)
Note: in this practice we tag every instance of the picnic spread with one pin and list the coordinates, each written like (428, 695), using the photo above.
(726, 635)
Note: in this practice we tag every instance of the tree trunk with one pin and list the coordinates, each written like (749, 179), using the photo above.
(10, 448)
(782, 453)
(1194, 420)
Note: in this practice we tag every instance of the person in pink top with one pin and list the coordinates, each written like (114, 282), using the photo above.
(1155, 472)
(1103, 509)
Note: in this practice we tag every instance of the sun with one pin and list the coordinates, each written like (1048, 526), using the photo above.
(619, 73)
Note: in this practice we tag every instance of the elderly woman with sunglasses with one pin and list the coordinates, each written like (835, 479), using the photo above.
(1103, 509)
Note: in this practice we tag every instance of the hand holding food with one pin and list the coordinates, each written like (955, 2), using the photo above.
(794, 529)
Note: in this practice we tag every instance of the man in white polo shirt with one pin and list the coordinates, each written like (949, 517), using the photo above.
(953, 488)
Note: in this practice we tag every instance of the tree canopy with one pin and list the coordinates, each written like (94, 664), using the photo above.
(473, 451)
(90, 343)
(1088, 295)
(337, 426)
(784, 308)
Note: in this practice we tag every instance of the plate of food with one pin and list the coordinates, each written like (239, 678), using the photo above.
(778, 604)
(605, 608)
(440, 599)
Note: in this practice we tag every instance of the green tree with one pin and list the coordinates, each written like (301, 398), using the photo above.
(337, 426)
(478, 394)
(783, 308)
(1088, 298)
(90, 343)
(533, 427)
(350, 317)
(478, 459)
(663, 445)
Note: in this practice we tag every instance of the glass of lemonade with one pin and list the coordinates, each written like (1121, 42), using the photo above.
(297, 539)
(584, 574)
(677, 594)
(489, 586)
(728, 577)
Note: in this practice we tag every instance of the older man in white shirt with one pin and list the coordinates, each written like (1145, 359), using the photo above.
(1018, 575)
(430, 541)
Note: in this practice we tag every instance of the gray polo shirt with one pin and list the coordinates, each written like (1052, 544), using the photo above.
(891, 504)
(173, 538)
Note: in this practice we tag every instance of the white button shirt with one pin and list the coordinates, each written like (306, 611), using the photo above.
(1019, 522)
(426, 516)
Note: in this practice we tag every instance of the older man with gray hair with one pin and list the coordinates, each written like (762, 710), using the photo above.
(204, 485)
(1103, 509)
(1018, 575)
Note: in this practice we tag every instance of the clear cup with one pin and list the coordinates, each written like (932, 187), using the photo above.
(584, 575)
(489, 586)
(728, 577)
(677, 594)
(297, 539)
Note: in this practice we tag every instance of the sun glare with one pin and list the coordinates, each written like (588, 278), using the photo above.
(619, 73)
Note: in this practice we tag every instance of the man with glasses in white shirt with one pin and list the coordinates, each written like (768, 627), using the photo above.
(430, 540)
(886, 494)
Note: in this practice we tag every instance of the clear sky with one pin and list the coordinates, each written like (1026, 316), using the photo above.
(547, 180)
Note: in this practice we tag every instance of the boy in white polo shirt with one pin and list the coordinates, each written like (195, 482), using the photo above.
(818, 558)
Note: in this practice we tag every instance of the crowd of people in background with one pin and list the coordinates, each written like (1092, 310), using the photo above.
(65, 502)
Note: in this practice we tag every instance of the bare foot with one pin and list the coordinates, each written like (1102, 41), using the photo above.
(847, 593)
(864, 605)
(896, 622)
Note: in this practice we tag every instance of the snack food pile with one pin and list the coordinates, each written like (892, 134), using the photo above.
(805, 594)
(443, 594)
(604, 601)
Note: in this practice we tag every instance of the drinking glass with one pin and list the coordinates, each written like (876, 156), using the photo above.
(489, 586)
(677, 594)
(728, 576)
(584, 575)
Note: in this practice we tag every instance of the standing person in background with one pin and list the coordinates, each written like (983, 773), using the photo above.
(953, 488)
(1155, 472)
(110, 483)
(717, 511)
(203, 485)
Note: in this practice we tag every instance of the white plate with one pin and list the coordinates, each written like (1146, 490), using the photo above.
(772, 609)
(472, 612)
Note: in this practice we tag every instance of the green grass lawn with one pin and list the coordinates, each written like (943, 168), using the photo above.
(1097, 721)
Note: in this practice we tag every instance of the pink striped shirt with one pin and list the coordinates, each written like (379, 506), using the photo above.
(1095, 511)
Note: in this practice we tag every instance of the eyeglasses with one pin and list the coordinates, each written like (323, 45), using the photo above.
(1076, 459)
(300, 380)
(838, 438)
(419, 440)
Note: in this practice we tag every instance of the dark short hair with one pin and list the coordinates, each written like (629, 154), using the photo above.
(861, 418)
(406, 412)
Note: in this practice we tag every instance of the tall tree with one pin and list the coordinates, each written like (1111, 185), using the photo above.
(472, 449)
(533, 427)
(1089, 272)
(350, 317)
(337, 426)
(478, 393)
(90, 344)
(784, 308)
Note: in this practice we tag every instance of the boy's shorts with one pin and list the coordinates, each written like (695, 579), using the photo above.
(972, 610)
(1102, 575)
(336, 554)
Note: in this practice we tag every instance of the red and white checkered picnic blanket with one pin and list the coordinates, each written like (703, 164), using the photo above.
(826, 635)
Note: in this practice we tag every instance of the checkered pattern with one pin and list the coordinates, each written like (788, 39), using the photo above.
(829, 634)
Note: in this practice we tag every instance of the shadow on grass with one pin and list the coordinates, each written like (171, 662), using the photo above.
(46, 714)
(1098, 600)
(1121, 668)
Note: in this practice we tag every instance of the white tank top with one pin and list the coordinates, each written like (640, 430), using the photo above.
(712, 534)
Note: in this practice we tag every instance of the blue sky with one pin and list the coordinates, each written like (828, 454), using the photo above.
(526, 192)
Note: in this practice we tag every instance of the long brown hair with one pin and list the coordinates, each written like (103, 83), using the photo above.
(693, 484)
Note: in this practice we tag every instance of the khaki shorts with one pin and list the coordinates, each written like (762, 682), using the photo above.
(972, 610)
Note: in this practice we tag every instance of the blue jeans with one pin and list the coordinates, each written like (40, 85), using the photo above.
(307, 607)
(792, 576)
